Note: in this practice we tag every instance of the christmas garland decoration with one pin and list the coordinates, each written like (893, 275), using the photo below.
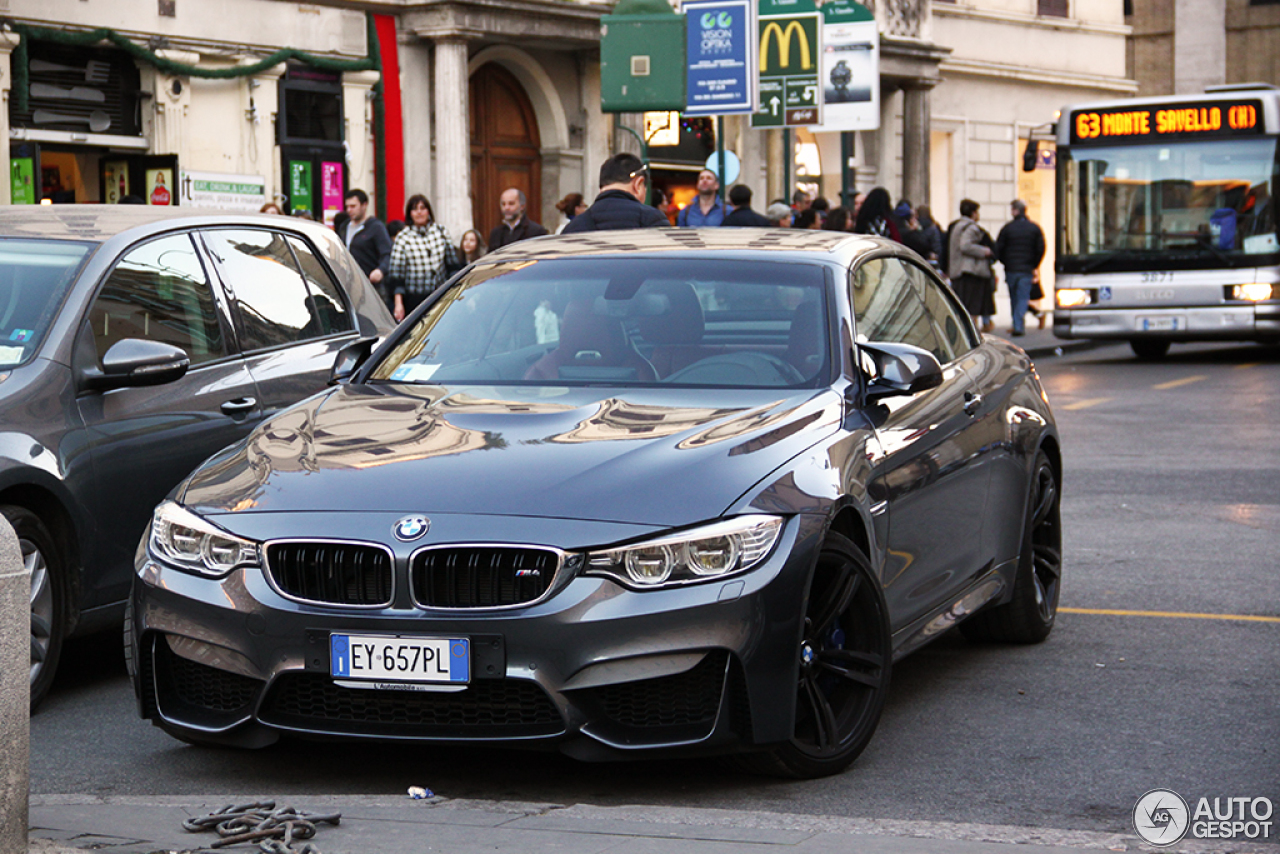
(371, 62)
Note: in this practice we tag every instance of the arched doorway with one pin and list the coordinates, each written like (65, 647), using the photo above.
(505, 148)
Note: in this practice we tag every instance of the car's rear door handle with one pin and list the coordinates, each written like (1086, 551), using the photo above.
(239, 406)
(972, 401)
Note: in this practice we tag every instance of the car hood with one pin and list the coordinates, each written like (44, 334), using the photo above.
(648, 456)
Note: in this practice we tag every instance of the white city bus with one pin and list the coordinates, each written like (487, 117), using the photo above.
(1167, 219)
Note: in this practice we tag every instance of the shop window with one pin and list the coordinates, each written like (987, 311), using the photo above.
(311, 106)
(80, 90)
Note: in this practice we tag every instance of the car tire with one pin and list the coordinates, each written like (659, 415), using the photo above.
(48, 596)
(1148, 349)
(1029, 615)
(845, 658)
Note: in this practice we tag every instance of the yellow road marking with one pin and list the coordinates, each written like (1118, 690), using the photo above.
(1108, 612)
(1085, 404)
(1183, 381)
(1247, 365)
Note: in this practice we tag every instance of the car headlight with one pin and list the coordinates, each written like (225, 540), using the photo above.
(699, 554)
(184, 540)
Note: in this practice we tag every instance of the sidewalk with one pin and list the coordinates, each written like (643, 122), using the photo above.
(1039, 343)
(69, 824)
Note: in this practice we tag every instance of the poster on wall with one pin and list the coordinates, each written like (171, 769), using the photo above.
(22, 187)
(330, 191)
(115, 181)
(850, 72)
(159, 187)
(222, 190)
(300, 199)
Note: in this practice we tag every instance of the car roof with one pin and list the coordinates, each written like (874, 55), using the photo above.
(98, 223)
(833, 245)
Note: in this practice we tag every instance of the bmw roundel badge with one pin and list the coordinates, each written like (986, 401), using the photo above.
(411, 528)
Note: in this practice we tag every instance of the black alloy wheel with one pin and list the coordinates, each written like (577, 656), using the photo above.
(48, 596)
(845, 657)
(1149, 349)
(1029, 616)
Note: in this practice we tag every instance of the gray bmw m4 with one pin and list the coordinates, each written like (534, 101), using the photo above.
(622, 494)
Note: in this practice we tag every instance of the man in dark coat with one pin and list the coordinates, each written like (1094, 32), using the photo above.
(623, 179)
(366, 237)
(740, 198)
(1020, 247)
(515, 225)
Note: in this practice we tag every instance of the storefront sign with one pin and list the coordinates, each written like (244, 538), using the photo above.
(159, 187)
(223, 190)
(721, 57)
(850, 67)
(331, 191)
(790, 53)
(300, 198)
(1201, 120)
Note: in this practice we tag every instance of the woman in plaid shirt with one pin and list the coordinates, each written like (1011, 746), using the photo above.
(418, 256)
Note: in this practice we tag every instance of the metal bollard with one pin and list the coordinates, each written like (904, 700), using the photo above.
(15, 692)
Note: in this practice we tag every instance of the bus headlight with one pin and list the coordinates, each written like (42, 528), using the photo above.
(1255, 292)
(1073, 297)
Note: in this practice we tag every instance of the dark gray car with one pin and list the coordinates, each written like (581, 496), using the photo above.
(135, 342)
(624, 493)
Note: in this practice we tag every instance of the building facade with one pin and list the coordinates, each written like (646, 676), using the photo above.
(1181, 46)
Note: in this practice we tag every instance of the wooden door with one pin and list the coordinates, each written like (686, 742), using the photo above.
(505, 149)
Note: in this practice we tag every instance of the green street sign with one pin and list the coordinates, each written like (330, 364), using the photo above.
(790, 56)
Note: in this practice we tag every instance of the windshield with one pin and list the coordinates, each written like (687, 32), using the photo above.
(1193, 204)
(34, 277)
(622, 321)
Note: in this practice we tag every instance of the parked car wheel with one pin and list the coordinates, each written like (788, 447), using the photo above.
(48, 596)
(1028, 617)
(845, 659)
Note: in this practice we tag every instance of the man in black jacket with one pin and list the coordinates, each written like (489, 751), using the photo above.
(740, 198)
(515, 225)
(1020, 247)
(623, 179)
(366, 237)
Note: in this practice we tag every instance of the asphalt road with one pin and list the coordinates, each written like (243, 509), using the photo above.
(1171, 507)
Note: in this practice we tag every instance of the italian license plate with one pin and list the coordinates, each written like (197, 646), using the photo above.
(1161, 323)
(400, 658)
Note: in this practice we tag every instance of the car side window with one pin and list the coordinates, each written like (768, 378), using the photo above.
(159, 292)
(328, 306)
(276, 306)
(949, 320)
(888, 306)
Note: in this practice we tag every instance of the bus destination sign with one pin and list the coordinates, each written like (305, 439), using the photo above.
(1184, 121)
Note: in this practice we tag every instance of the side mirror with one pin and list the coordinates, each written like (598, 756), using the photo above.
(135, 362)
(350, 358)
(900, 369)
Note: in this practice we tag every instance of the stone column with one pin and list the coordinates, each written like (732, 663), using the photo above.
(774, 157)
(15, 692)
(8, 41)
(415, 71)
(915, 144)
(1199, 45)
(453, 135)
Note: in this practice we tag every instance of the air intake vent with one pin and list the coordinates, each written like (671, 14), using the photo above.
(475, 577)
(332, 573)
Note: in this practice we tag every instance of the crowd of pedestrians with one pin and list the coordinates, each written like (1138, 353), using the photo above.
(414, 257)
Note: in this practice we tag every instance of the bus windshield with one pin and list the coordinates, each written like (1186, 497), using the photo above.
(1185, 203)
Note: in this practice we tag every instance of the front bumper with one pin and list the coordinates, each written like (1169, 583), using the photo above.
(1242, 322)
(595, 670)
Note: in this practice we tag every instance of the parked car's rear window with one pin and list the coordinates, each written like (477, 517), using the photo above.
(34, 277)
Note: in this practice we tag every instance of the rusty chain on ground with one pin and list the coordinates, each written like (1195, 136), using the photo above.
(277, 831)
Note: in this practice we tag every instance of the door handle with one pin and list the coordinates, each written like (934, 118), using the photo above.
(239, 406)
(972, 401)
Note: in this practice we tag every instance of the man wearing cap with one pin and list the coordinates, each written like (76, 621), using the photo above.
(706, 209)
